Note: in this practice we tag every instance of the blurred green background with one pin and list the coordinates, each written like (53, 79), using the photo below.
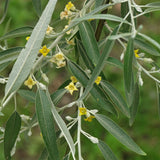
(146, 129)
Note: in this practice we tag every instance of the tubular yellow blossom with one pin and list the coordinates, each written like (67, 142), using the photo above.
(69, 31)
(60, 64)
(136, 53)
(98, 80)
(30, 82)
(49, 30)
(89, 119)
(59, 56)
(71, 87)
(44, 50)
(70, 6)
(73, 79)
(82, 111)
(65, 14)
(71, 42)
(27, 38)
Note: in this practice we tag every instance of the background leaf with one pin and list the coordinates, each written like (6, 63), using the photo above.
(28, 95)
(118, 133)
(37, 6)
(28, 55)
(9, 54)
(5, 11)
(45, 120)
(106, 151)
(12, 129)
(17, 33)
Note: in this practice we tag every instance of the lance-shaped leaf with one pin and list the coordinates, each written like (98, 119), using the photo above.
(27, 57)
(9, 54)
(28, 95)
(134, 105)
(118, 133)
(45, 120)
(17, 33)
(37, 6)
(61, 124)
(116, 98)
(115, 62)
(128, 74)
(89, 41)
(102, 60)
(96, 92)
(4, 65)
(106, 151)
(44, 155)
(11, 133)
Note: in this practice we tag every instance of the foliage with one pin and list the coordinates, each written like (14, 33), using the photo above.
(83, 47)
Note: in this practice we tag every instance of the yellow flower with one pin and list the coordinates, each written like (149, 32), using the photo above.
(49, 30)
(82, 111)
(69, 31)
(73, 79)
(89, 20)
(89, 119)
(27, 38)
(136, 53)
(98, 80)
(30, 82)
(59, 56)
(71, 42)
(70, 6)
(71, 87)
(44, 50)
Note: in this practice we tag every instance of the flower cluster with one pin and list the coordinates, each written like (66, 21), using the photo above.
(84, 111)
(68, 11)
(49, 30)
(59, 59)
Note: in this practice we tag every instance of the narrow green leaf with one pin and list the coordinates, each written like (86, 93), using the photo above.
(89, 41)
(4, 65)
(12, 129)
(44, 155)
(106, 151)
(124, 11)
(5, 11)
(96, 92)
(37, 6)
(9, 54)
(102, 16)
(17, 33)
(102, 60)
(45, 120)
(116, 62)
(128, 74)
(116, 98)
(57, 95)
(153, 4)
(28, 95)
(134, 105)
(27, 57)
(118, 133)
(82, 52)
(61, 124)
